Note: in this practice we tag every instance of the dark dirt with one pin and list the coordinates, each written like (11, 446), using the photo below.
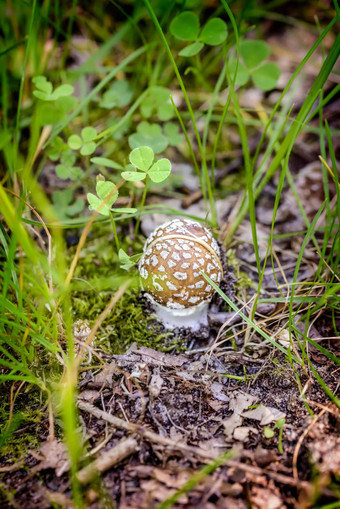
(187, 399)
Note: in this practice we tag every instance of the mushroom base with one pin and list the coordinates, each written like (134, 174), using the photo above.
(193, 317)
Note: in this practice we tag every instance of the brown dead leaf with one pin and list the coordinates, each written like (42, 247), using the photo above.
(264, 414)
(263, 498)
(155, 386)
(242, 433)
(156, 358)
(54, 456)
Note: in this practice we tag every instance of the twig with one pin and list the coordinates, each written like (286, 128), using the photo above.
(108, 459)
(205, 456)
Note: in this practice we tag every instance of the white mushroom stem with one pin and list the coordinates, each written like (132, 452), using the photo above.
(192, 317)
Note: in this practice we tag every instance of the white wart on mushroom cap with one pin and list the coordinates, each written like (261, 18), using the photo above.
(170, 268)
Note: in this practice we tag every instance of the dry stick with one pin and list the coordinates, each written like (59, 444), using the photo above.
(141, 430)
(107, 460)
(195, 451)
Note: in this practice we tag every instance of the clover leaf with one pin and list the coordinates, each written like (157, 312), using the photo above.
(66, 168)
(85, 143)
(62, 200)
(157, 101)
(107, 194)
(44, 89)
(171, 131)
(55, 104)
(150, 135)
(118, 95)
(56, 148)
(214, 32)
(126, 261)
(141, 159)
(252, 64)
(186, 27)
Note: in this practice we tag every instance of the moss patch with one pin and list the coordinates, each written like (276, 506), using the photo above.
(97, 277)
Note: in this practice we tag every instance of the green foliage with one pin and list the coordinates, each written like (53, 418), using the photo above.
(107, 194)
(186, 27)
(157, 101)
(150, 135)
(253, 55)
(56, 148)
(55, 103)
(108, 163)
(44, 89)
(62, 201)
(118, 95)
(268, 432)
(126, 261)
(141, 159)
(66, 168)
(84, 142)
(153, 136)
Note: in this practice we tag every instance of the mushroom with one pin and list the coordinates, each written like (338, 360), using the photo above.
(174, 257)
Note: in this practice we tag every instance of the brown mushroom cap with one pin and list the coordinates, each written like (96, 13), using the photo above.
(174, 255)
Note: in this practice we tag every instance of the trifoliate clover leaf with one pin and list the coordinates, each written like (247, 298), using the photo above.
(119, 95)
(85, 143)
(64, 208)
(157, 101)
(254, 53)
(171, 130)
(186, 27)
(265, 75)
(56, 148)
(66, 168)
(45, 91)
(149, 135)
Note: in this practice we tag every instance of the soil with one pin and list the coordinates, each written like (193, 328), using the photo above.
(183, 413)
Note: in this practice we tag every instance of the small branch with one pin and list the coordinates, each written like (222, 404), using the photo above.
(107, 460)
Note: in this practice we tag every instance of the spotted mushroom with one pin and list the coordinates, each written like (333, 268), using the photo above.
(174, 257)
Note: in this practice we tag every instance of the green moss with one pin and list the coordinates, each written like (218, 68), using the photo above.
(21, 434)
(97, 278)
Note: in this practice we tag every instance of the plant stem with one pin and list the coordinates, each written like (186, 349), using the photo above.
(114, 231)
(141, 206)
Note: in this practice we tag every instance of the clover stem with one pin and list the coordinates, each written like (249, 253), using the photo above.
(141, 205)
(114, 230)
